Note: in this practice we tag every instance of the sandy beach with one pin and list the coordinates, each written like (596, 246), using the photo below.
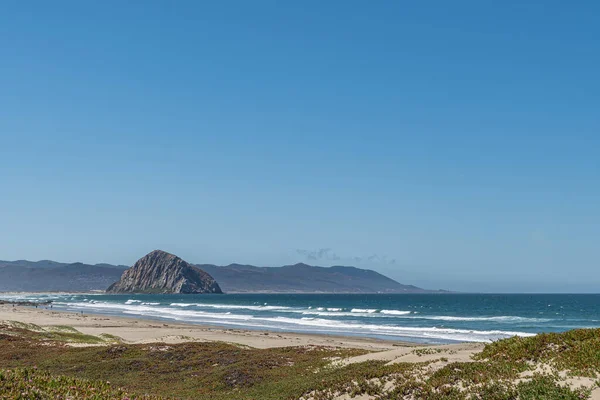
(134, 330)
(145, 331)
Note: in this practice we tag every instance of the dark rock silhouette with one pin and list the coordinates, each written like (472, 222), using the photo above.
(161, 272)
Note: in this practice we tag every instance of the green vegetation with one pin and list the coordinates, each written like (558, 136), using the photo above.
(577, 351)
(219, 371)
(426, 350)
(546, 388)
(30, 383)
(58, 333)
(23, 325)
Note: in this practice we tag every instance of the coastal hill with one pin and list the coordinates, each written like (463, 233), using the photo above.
(162, 272)
(27, 276)
(46, 275)
(303, 278)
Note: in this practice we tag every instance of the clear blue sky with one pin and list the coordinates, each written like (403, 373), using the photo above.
(447, 144)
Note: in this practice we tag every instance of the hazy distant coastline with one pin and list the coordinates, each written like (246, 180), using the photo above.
(52, 276)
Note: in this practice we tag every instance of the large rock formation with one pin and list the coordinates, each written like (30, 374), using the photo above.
(161, 272)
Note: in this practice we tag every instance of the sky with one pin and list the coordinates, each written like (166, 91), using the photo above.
(450, 145)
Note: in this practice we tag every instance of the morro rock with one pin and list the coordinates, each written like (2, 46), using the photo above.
(161, 272)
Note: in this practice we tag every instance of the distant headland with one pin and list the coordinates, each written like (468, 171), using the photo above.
(162, 272)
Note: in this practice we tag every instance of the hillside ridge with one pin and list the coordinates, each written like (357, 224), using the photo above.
(48, 275)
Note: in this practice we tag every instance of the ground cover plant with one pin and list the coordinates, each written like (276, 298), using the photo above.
(31, 383)
(45, 363)
(576, 351)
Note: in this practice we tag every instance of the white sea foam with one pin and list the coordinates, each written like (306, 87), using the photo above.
(231, 306)
(387, 330)
(329, 313)
(304, 324)
(364, 310)
(501, 318)
(394, 312)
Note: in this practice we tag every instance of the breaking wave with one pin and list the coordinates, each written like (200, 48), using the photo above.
(179, 312)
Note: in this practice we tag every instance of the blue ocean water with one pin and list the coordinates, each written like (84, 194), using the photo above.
(424, 318)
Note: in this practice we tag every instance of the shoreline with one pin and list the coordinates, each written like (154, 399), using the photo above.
(485, 328)
(387, 354)
(145, 330)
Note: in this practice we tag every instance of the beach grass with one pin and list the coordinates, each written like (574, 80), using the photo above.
(576, 351)
(57, 333)
(219, 371)
(31, 383)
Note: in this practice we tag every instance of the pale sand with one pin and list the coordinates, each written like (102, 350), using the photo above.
(133, 330)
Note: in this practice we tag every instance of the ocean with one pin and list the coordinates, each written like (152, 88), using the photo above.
(422, 318)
